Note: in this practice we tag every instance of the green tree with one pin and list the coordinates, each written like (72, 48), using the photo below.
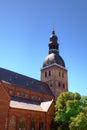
(79, 122)
(67, 105)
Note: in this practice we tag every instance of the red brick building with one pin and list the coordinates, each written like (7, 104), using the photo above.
(27, 103)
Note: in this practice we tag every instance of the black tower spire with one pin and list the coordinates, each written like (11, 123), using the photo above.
(53, 44)
(53, 55)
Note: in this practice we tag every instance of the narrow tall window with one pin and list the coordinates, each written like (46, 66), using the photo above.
(63, 85)
(49, 73)
(41, 125)
(45, 74)
(62, 75)
(59, 84)
(33, 124)
(59, 74)
(13, 122)
(22, 123)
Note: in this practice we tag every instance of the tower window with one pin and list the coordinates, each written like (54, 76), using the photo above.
(59, 84)
(63, 85)
(59, 74)
(45, 74)
(49, 73)
(62, 75)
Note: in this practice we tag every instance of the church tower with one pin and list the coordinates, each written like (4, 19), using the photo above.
(54, 71)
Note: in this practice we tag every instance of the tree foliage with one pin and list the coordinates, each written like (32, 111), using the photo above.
(71, 112)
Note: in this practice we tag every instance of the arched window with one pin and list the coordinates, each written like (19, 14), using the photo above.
(13, 123)
(41, 125)
(33, 124)
(22, 124)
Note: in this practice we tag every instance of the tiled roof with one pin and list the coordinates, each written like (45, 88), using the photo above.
(43, 107)
(25, 100)
(24, 81)
(26, 106)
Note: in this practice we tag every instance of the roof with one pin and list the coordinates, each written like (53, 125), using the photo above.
(46, 105)
(24, 81)
(53, 58)
(25, 100)
(43, 107)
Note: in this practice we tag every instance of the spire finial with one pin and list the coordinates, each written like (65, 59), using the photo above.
(53, 32)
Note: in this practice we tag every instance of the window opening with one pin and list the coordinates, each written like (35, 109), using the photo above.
(45, 74)
(59, 84)
(49, 73)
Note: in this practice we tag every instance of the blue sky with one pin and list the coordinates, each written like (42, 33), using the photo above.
(25, 28)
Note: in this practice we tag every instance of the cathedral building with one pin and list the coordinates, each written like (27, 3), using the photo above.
(27, 103)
